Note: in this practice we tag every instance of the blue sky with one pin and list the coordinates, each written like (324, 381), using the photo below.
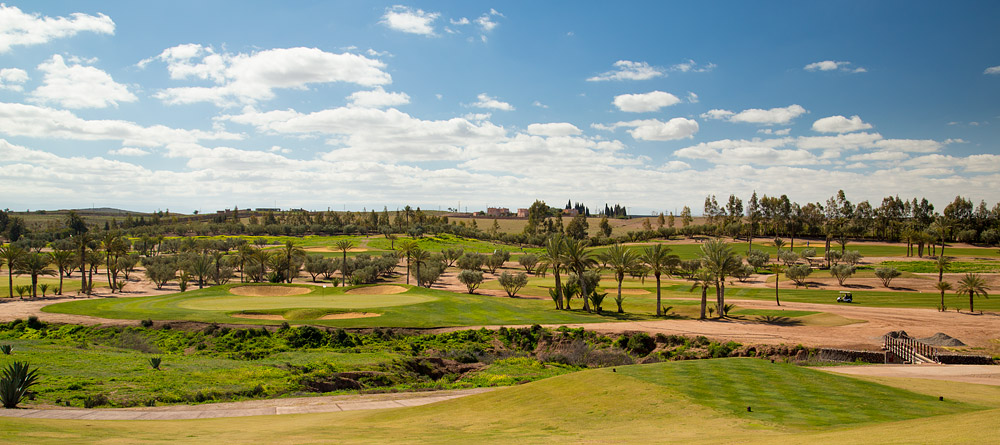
(206, 105)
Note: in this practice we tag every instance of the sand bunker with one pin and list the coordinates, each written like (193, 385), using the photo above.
(348, 315)
(377, 290)
(259, 316)
(269, 291)
(633, 291)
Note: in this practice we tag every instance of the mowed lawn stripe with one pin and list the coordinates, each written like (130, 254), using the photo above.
(790, 395)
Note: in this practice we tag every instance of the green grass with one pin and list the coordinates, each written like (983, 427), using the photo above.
(438, 309)
(436, 243)
(684, 402)
(954, 267)
(70, 285)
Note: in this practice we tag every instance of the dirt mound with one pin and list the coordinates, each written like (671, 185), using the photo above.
(269, 291)
(377, 290)
(259, 316)
(942, 339)
(349, 315)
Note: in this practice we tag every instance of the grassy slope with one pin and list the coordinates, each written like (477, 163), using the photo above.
(667, 402)
(445, 309)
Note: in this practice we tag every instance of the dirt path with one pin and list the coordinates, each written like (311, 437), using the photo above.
(301, 405)
(981, 374)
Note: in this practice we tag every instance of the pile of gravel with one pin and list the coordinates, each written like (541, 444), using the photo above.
(941, 339)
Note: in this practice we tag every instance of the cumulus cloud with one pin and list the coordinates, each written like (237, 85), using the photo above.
(78, 86)
(555, 129)
(414, 21)
(12, 79)
(773, 116)
(781, 132)
(378, 98)
(729, 152)
(830, 65)
(250, 78)
(655, 129)
(692, 66)
(42, 122)
(539, 104)
(645, 102)
(992, 70)
(23, 29)
(629, 70)
(674, 166)
(485, 101)
(840, 124)
(879, 156)
(692, 98)
(128, 151)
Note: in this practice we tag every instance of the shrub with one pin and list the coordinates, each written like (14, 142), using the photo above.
(886, 274)
(640, 344)
(852, 257)
(798, 273)
(147, 323)
(788, 257)
(528, 261)
(596, 299)
(6, 349)
(15, 382)
(93, 401)
(471, 279)
(34, 323)
(154, 362)
(842, 272)
(513, 282)
(758, 259)
(743, 272)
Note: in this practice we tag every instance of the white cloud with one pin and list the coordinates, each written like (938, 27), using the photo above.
(477, 117)
(460, 22)
(879, 156)
(840, 124)
(485, 101)
(743, 152)
(830, 65)
(674, 166)
(992, 70)
(413, 21)
(773, 116)
(78, 86)
(42, 122)
(781, 132)
(486, 23)
(378, 98)
(555, 129)
(368, 133)
(249, 78)
(539, 104)
(645, 102)
(910, 145)
(128, 151)
(692, 98)
(656, 130)
(22, 29)
(628, 70)
(12, 78)
(692, 66)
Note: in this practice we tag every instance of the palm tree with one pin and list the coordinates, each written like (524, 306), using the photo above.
(552, 257)
(344, 246)
(660, 260)
(419, 256)
(407, 247)
(292, 252)
(82, 241)
(35, 264)
(777, 270)
(621, 259)
(12, 255)
(972, 284)
(720, 261)
(942, 286)
(779, 243)
(201, 267)
(942, 263)
(63, 259)
(578, 260)
(704, 280)
(245, 255)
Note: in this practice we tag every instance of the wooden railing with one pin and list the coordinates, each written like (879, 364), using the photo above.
(910, 350)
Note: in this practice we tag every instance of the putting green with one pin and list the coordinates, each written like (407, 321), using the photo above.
(336, 301)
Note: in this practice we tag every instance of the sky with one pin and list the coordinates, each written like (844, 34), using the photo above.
(188, 105)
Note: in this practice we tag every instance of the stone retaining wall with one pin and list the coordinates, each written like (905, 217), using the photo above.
(847, 355)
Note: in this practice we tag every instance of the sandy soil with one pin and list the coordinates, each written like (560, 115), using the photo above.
(334, 249)
(350, 315)
(268, 291)
(376, 290)
(981, 374)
